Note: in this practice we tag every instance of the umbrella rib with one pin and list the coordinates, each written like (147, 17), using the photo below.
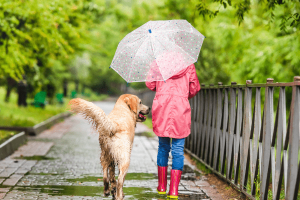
(155, 58)
(182, 49)
(138, 38)
(134, 57)
(129, 43)
(176, 45)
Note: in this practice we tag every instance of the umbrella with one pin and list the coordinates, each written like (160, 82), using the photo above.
(157, 50)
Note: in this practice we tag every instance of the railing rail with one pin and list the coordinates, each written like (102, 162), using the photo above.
(245, 145)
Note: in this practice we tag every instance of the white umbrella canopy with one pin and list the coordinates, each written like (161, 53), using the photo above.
(157, 50)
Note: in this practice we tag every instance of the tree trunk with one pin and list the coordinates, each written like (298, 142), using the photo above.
(11, 83)
(77, 85)
(65, 88)
(82, 89)
(8, 90)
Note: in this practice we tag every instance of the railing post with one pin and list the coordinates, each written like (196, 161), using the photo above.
(232, 112)
(196, 121)
(201, 120)
(237, 135)
(278, 153)
(267, 136)
(255, 144)
(224, 132)
(246, 136)
(209, 134)
(213, 131)
(193, 122)
(206, 111)
(293, 168)
(218, 127)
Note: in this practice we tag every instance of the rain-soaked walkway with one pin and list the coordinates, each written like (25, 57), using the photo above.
(63, 163)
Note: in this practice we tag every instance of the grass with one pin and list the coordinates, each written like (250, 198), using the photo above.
(13, 115)
(148, 123)
(5, 135)
(201, 166)
(35, 158)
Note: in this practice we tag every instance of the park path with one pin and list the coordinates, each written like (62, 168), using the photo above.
(63, 163)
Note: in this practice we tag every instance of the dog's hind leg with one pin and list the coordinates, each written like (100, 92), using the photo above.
(112, 179)
(121, 178)
(105, 177)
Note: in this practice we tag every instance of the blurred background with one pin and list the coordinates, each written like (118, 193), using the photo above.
(51, 51)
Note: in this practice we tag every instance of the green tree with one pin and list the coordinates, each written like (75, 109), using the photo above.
(289, 17)
(121, 17)
(209, 68)
(39, 38)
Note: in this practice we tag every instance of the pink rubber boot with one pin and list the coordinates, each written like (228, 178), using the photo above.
(162, 179)
(174, 183)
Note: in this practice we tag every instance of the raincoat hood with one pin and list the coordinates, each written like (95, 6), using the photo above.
(180, 73)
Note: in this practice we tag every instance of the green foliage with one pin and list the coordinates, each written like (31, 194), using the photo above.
(290, 17)
(148, 123)
(121, 17)
(5, 135)
(254, 50)
(40, 38)
(12, 115)
(75, 40)
(35, 31)
(209, 68)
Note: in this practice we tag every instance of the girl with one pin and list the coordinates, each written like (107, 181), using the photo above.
(171, 118)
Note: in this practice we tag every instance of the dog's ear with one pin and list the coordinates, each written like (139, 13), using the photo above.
(132, 103)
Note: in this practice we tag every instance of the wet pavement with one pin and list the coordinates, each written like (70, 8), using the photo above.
(63, 163)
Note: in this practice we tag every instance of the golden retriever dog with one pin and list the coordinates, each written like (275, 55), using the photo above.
(116, 134)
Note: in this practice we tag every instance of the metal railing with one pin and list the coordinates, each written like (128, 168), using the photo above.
(237, 136)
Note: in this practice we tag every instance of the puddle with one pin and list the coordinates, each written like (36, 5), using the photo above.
(63, 190)
(34, 158)
(91, 191)
(140, 176)
(44, 174)
(86, 179)
(129, 176)
(131, 192)
(141, 193)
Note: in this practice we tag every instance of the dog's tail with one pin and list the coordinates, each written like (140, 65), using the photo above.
(95, 115)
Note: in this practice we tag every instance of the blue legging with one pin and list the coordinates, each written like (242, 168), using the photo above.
(177, 152)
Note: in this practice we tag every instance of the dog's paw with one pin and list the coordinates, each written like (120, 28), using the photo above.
(113, 191)
(119, 197)
(106, 193)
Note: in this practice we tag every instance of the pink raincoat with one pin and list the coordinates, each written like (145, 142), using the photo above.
(171, 112)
